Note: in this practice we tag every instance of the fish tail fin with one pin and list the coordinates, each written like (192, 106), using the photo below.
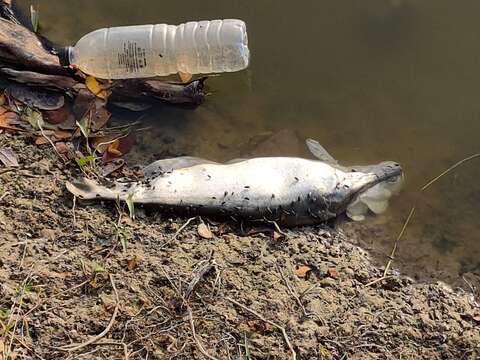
(88, 189)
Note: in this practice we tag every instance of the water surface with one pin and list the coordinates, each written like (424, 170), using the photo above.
(372, 80)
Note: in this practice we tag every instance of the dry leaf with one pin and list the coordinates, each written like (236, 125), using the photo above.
(112, 166)
(8, 120)
(185, 77)
(100, 115)
(477, 318)
(41, 140)
(204, 231)
(61, 135)
(61, 147)
(101, 143)
(92, 84)
(333, 273)
(303, 271)
(8, 157)
(132, 263)
(56, 116)
(113, 148)
(277, 236)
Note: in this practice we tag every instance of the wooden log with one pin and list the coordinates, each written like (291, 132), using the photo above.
(29, 59)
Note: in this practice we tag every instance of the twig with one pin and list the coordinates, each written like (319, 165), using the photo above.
(275, 225)
(197, 341)
(4, 195)
(49, 140)
(279, 327)
(28, 348)
(13, 309)
(178, 232)
(73, 210)
(199, 274)
(474, 292)
(54, 296)
(292, 292)
(24, 252)
(453, 167)
(76, 347)
(412, 212)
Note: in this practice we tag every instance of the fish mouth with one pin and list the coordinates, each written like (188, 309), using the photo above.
(385, 171)
(369, 176)
(374, 187)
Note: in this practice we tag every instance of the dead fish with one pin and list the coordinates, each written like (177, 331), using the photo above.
(291, 191)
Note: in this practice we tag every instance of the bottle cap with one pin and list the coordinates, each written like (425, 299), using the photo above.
(63, 54)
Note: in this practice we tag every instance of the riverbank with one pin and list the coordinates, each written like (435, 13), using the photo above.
(81, 281)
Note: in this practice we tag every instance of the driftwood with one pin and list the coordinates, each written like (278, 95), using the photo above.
(31, 60)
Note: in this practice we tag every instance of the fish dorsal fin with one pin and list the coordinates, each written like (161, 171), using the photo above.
(319, 152)
(165, 165)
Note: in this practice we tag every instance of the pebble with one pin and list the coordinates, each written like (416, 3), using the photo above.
(328, 282)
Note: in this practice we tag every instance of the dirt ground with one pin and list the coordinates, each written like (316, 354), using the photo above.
(78, 281)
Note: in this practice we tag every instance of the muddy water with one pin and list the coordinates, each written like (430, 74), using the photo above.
(371, 80)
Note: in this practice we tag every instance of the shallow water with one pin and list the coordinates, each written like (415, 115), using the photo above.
(372, 80)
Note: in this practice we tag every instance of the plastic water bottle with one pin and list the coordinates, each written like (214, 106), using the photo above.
(159, 50)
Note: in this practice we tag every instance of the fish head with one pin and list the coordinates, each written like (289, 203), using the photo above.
(363, 187)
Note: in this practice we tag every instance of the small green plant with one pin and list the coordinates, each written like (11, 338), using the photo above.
(85, 162)
(121, 235)
(34, 18)
(131, 207)
(97, 268)
(6, 328)
(4, 313)
(27, 288)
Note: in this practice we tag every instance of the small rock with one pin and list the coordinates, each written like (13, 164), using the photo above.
(328, 282)
(333, 273)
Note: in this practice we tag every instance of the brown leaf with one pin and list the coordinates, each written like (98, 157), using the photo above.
(83, 102)
(61, 135)
(8, 157)
(113, 149)
(112, 166)
(276, 236)
(126, 143)
(62, 148)
(132, 263)
(185, 77)
(333, 273)
(303, 271)
(100, 115)
(41, 140)
(56, 116)
(204, 231)
(477, 318)
(8, 120)
(101, 143)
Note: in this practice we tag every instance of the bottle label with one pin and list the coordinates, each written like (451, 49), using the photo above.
(132, 57)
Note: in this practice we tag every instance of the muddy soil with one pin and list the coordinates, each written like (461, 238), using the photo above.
(83, 281)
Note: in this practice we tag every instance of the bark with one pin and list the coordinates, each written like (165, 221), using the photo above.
(29, 59)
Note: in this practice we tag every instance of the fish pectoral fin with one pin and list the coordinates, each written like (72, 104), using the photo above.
(377, 206)
(88, 189)
(319, 152)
